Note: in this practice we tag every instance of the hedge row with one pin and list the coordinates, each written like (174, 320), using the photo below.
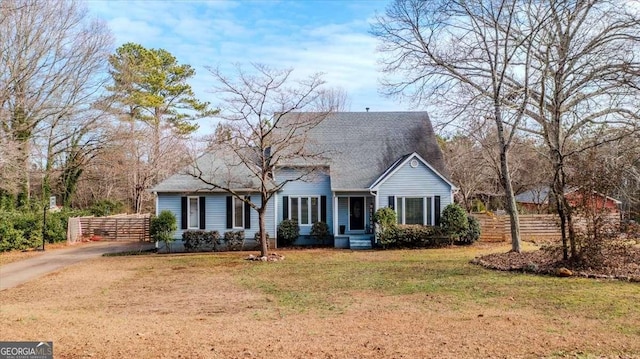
(203, 241)
(456, 227)
(23, 230)
(417, 236)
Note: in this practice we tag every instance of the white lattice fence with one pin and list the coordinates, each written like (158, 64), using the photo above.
(74, 230)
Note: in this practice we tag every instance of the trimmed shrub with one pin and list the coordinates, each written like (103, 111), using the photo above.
(199, 240)
(288, 232)
(418, 236)
(473, 233)
(234, 240)
(257, 245)
(162, 228)
(320, 232)
(386, 220)
(256, 237)
(454, 221)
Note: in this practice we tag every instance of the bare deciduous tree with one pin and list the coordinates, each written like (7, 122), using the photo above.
(612, 169)
(335, 99)
(564, 70)
(267, 130)
(461, 54)
(473, 161)
(467, 167)
(9, 172)
(584, 86)
(51, 56)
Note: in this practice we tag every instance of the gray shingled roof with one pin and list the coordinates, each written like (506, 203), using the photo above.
(359, 146)
(219, 167)
(362, 145)
(538, 195)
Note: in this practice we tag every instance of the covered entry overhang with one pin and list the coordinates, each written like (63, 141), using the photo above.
(353, 221)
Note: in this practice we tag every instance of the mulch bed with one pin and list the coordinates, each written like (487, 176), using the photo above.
(620, 265)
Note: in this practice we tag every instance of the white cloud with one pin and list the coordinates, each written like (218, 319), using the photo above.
(221, 33)
(128, 30)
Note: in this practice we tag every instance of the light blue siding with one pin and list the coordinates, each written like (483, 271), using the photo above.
(172, 203)
(420, 181)
(216, 215)
(318, 184)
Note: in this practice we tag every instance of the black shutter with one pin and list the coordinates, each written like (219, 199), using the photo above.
(229, 212)
(247, 213)
(392, 202)
(436, 208)
(323, 209)
(285, 207)
(203, 212)
(183, 209)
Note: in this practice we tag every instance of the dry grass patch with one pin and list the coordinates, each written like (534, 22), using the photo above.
(321, 304)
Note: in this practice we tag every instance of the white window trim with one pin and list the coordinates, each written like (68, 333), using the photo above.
(425, 211)
(300, 209)
(189, 212)
(233, 213)
(425, 208)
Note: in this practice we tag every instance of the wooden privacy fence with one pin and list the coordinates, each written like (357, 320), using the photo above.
(134, 227)
(533, 227)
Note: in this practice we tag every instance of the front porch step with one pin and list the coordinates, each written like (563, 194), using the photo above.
(359, 243)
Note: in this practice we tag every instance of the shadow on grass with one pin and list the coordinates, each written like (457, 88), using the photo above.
(131, 253)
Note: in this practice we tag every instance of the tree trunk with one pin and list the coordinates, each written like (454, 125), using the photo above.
(505, 178)
(559, 196)
(568, 214)
(23, 138)
(25, 182)
(264, 242)
(572, 232)
(564, 208)
(512, 208)
(46, 180)
(70, 177)
(155, 159)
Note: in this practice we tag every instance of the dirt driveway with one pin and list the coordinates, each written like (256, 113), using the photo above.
(16, 273)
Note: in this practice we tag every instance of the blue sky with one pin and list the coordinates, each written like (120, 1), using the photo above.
(329, 36)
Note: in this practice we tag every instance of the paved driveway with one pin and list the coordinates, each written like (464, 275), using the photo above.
(19, 272)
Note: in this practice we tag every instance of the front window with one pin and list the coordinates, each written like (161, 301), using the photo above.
(238, 213)
(304, 210)
(414, 213)
(194, 215)
(294, 209)
(314, 214)
(412, 210)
